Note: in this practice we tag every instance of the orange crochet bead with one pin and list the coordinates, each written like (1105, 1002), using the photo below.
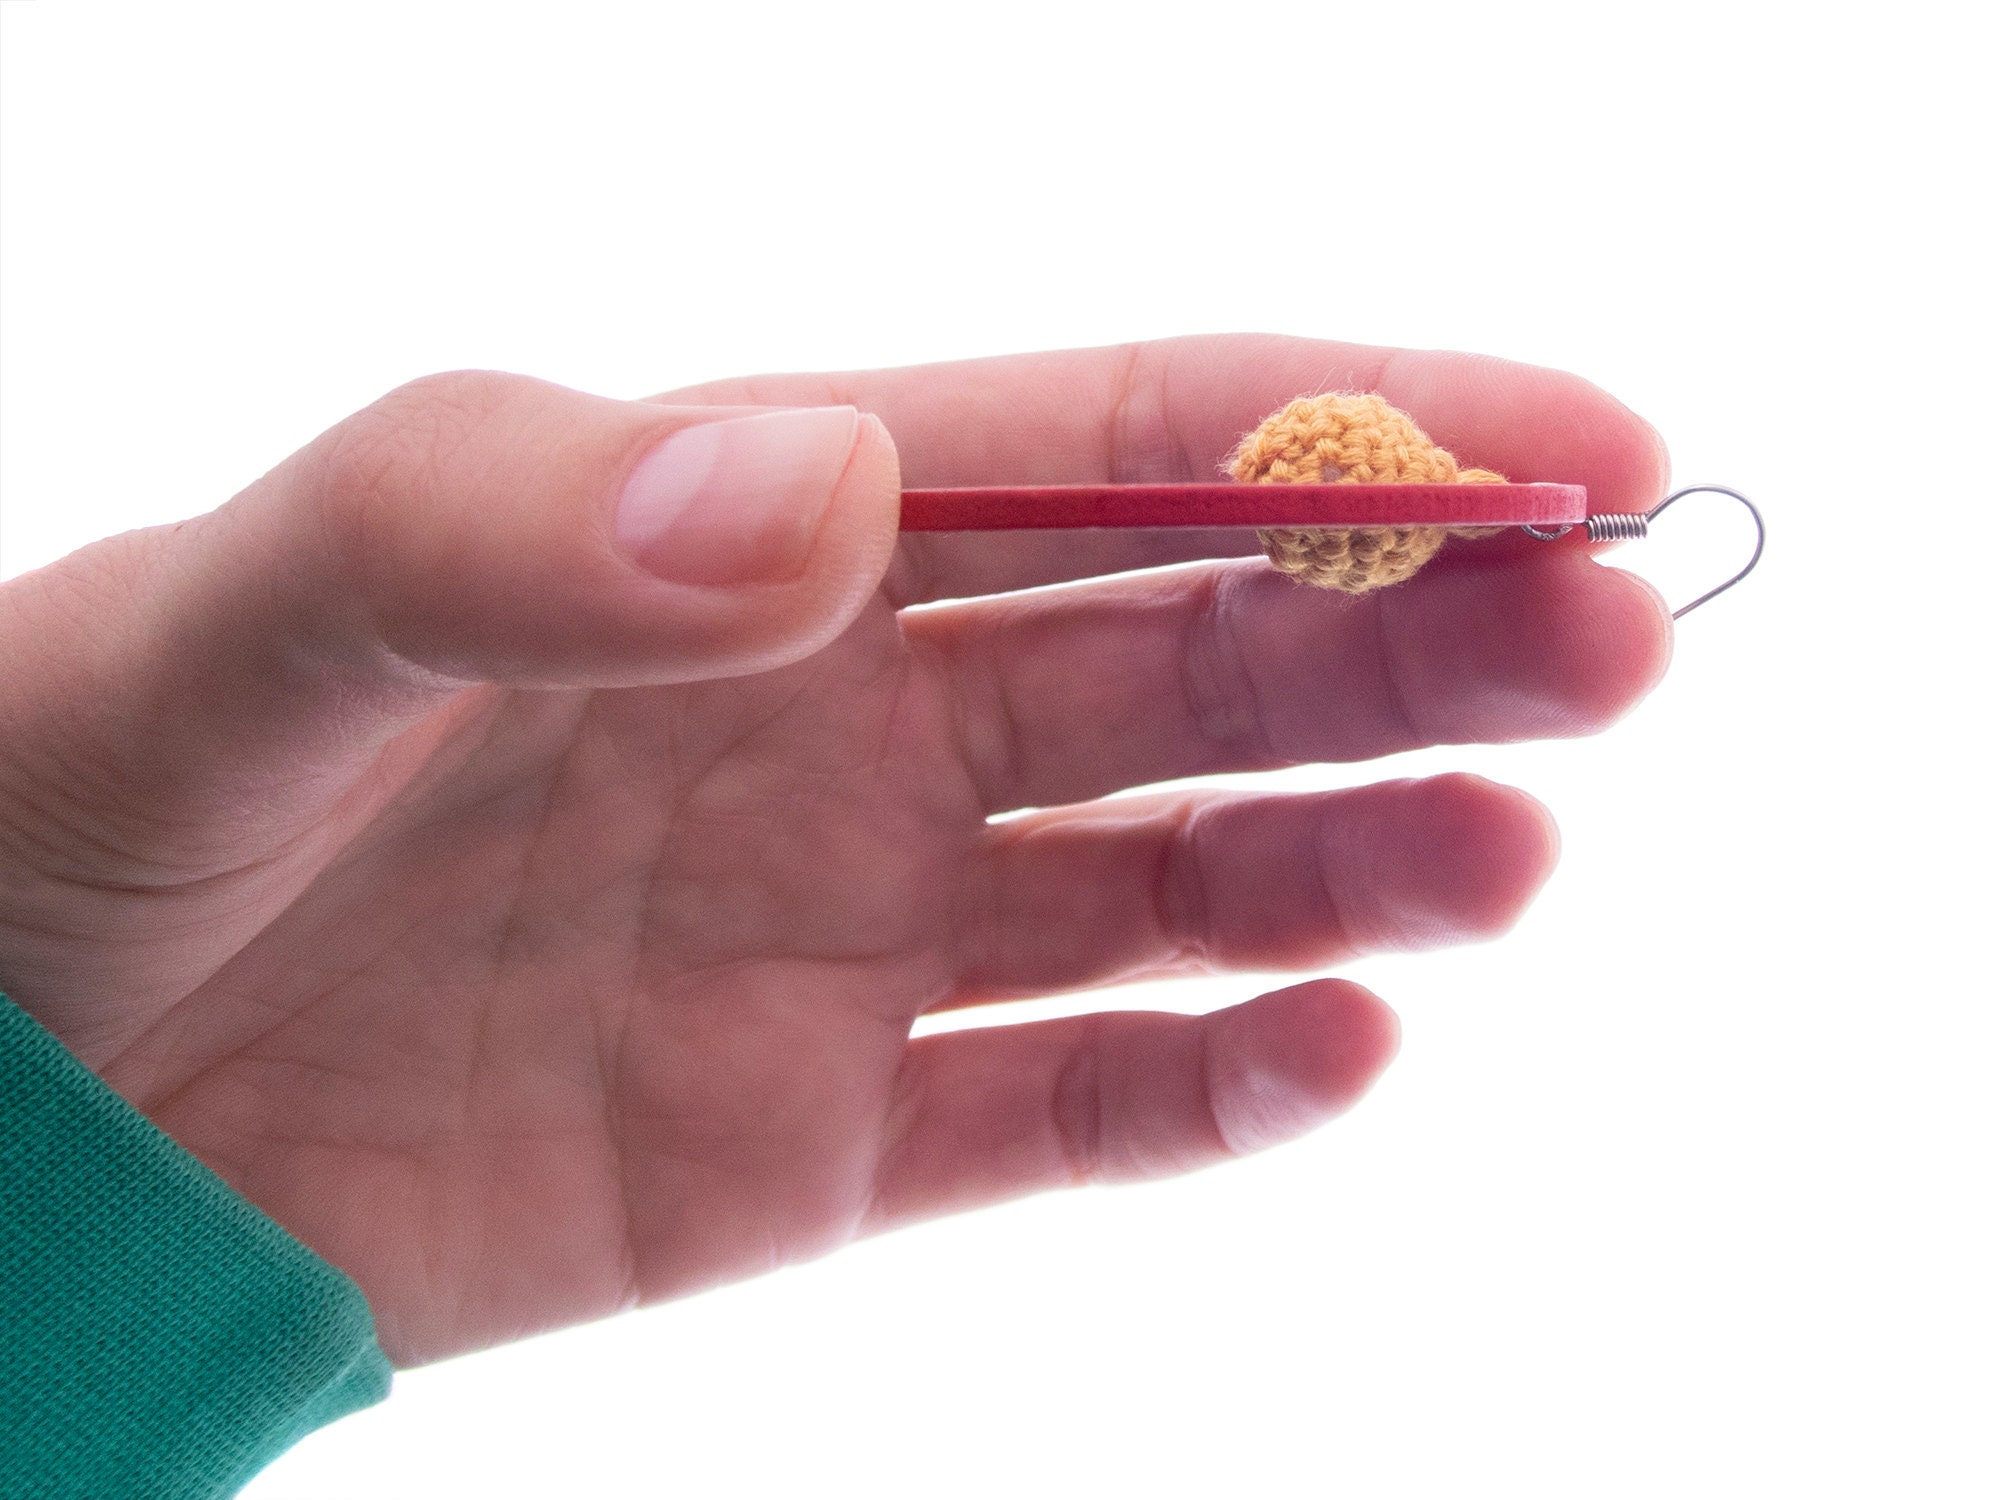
(1350, 439)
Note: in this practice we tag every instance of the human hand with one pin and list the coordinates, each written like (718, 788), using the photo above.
(535, 935)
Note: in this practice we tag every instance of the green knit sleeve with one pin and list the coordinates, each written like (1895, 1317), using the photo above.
(159, 1335)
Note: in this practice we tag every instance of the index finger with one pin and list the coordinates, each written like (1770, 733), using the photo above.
(1173, 409)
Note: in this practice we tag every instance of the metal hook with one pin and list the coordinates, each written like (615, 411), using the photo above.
(1628, 525)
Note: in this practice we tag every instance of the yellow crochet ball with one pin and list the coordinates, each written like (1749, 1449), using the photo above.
(1350, 439)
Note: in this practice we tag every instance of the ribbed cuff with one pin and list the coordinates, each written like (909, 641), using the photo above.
(160, 1336)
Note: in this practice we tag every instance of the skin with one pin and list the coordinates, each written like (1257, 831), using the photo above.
(535, 939)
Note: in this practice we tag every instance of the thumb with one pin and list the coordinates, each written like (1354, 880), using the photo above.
(499, 529)
(180, 696)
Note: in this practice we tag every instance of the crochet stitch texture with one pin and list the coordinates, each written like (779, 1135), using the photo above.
(1347, 438)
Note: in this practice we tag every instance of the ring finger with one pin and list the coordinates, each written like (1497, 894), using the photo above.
(1154, 887)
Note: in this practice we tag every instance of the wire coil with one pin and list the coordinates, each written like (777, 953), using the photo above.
(1616, 526)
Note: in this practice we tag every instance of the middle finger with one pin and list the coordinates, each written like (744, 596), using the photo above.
(1075, 692)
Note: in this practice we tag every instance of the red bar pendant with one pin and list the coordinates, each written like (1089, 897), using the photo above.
(1071, 506)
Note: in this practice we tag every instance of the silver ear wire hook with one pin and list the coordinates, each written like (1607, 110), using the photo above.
(1631, 525)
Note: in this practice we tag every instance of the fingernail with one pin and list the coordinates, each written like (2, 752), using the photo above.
(737, 501)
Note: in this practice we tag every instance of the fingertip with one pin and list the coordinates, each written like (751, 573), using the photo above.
(1548, 831)
(1663, 459)
(1366, 1030)
(1509, 844)
(1469, 857)
(758, 626)
(858, 535)
(1636, 632)
(1623, 454)
(1293, 1059)
(1531, 422)
(1578, 644)
(875, 454)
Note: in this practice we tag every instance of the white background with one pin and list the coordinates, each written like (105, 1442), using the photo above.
(1685, 1187)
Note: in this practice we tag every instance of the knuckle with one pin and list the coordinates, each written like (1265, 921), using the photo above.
(1141, 441)
(1398, 696)
(399, 443)
(1077, 1107)
(1218, 683)
(1184, 908)
(986, 724)
(389, 459)
(1501, 840)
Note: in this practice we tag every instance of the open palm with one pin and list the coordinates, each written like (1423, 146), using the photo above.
(524, 1001)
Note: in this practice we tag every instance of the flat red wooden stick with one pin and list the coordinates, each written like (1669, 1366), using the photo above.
(1066, 506)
